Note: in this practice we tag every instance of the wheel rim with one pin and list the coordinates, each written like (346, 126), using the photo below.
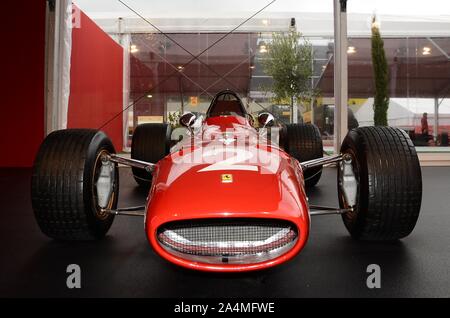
(352, 215)
(101, 212)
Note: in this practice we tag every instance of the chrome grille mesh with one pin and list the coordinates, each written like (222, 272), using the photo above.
(228, 240)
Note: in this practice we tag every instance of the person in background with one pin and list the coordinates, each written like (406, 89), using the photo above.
(424, 125)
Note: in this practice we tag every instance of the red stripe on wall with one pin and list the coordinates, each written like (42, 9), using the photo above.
(22, 70)
(96, 81)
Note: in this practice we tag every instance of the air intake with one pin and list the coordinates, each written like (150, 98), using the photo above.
(234, 241)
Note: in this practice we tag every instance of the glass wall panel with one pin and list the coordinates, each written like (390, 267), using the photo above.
(181, 53)
(417, 44)
(178, 54)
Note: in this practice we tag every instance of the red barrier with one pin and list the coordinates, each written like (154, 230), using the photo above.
(96, 80)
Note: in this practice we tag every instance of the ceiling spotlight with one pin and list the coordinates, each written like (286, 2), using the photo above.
(149, 96)
(351, 50)
(133, 48)
(180, 67)
(252, 67)
(426, 50)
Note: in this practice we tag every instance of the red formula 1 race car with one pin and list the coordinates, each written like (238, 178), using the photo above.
(227, 197)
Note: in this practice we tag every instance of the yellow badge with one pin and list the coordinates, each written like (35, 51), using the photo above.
(227, 178)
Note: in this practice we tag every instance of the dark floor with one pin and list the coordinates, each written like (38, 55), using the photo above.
(123, 264)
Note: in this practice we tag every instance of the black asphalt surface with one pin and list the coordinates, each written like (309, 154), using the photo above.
(124, 265)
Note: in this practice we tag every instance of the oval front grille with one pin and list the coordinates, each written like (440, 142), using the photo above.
(241, 241)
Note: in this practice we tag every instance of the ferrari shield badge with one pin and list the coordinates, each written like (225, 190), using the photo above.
(227, 178)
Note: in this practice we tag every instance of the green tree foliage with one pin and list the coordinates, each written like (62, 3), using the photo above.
(174, 119)
(289, 63)
(381, 77)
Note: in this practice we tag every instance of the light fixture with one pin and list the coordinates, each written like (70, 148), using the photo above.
(426, 50)
(351, 50)
(180, 67)
(252, 67)
(149, 95)
(265, 21)
(133, 48)
(262, 47)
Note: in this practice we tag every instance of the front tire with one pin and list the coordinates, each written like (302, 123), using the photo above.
(389, 193)
(63, 185)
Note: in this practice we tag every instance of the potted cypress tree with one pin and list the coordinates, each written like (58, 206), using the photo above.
(381, 77)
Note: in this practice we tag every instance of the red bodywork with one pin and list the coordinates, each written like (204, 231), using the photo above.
(185, 189)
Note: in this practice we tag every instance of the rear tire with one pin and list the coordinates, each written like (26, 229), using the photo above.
(63, 185)
(304, 142)
(150, 143)
(389, 193)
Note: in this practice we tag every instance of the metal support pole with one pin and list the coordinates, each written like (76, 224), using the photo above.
(180, 85)
(312, 86)
(125, 40)
(294, 110)
(340, 73)
(436, 119)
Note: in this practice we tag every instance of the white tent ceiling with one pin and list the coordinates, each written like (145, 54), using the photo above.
(314, 18)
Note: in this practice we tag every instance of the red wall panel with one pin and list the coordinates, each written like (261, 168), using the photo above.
(22, 73)
(96, 81)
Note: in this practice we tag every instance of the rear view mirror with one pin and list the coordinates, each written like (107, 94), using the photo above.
(266, 120)
(187, 120)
